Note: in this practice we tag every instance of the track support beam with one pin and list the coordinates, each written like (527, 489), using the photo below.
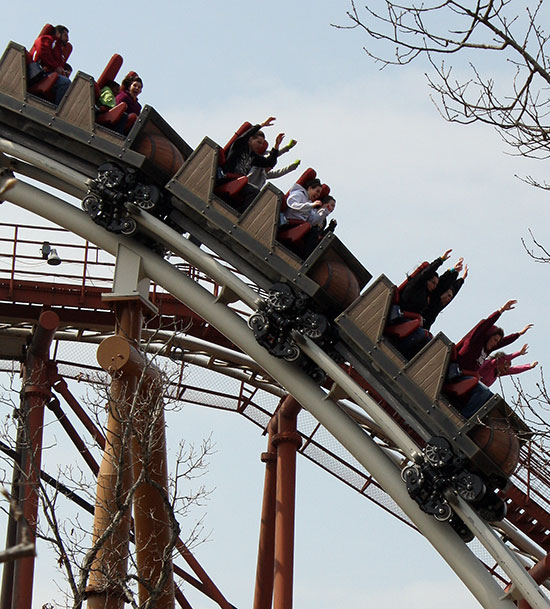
(36, 392)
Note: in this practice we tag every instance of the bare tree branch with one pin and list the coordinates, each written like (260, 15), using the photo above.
(517, 104)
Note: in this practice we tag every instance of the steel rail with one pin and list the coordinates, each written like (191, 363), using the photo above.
(508, 561)
(64, 174)
(197, 257)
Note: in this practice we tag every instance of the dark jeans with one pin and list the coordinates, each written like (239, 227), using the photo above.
(478, 396)
(120, 127)
(60, 88)
(412, 344)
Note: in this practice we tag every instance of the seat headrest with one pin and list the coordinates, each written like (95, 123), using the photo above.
(403, 285)
(325, 191)
(308, 175)
(47, 30)
(264, 148)
(111, 70)
(242, 129)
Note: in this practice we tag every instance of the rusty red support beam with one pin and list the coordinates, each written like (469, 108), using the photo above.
(182, 601)
(36, 392)
(60, 385)
(197, 584)
(109, 565)
(153, 528)
(79, 443)
(210, 589)
(88, 310)
(287, 441)
(8, 571)
(263, 592)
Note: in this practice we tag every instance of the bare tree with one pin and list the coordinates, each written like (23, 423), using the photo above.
(537, 251)
(140, 427)
(26, 546)
(452, 35)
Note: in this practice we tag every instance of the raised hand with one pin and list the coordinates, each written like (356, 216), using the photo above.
(523, 350)
(508, 307)
(527, 327)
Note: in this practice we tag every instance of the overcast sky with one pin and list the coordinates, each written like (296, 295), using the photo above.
(408, 187)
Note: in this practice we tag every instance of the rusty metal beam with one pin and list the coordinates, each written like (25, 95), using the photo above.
(263, 592)
(288, 441)
(36, 391)
(112, 518)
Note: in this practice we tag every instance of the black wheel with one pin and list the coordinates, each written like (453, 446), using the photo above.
(469, 486)
(314, 325)
(444, 512)
(461, 529)
(438, 452)
(301, 301)
(492, 508)
(318, 375)
(259, 324)
(146, 197)
(281, 297)
(292, 353)
(110, 175)
(412, 475)
(90, 203)
(129, 226)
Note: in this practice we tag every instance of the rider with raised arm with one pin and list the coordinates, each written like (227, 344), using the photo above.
(472, 351)
(247, 151)
(500, 364)
(417, 293)
(484, 338)
(447, 288)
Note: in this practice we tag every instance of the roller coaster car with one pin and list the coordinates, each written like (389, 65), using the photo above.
(331, 275)
(71, 133)
(485, 446)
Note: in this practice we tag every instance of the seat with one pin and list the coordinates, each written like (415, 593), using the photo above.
(45, 87)
(308, 175)
(109, 117)
(402, 329)
(409, 321)
(232, 188)
(293, 232)
(461, 387)
(403, 285)
(234, 184)
(223, 151)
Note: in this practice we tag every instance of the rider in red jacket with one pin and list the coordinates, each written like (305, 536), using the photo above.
(52, 49)
(476, 346)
